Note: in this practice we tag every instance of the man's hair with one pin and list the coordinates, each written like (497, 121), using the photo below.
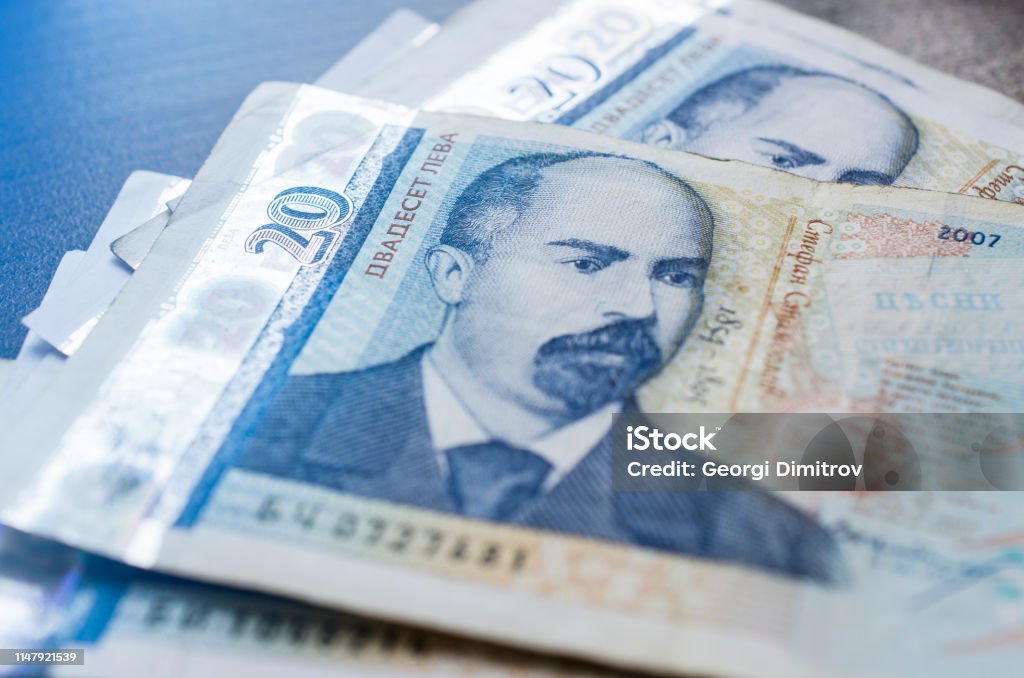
(746, 89)
(499, 196)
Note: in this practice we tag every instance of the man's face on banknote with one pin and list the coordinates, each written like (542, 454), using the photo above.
(587, 292)
(815, 125)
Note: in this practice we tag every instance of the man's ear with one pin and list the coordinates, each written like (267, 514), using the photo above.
(710, 114)
(662, 133)
(449, 268)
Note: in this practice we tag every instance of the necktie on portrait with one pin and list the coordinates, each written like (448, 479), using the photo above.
(493, 480)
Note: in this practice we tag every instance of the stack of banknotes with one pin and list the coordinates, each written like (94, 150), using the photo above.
(341, 403)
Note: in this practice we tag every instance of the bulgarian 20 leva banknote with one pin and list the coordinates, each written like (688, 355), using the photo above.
(679, 75)
(373, 361)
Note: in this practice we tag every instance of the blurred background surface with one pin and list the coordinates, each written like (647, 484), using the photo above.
(977, 40)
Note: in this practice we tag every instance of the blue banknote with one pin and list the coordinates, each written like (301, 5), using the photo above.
(127, 622)
(385, 347)
(741, 80)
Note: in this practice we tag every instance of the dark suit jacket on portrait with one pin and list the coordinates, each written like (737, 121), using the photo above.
(366, 433)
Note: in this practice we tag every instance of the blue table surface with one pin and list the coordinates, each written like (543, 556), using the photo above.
(91, 90)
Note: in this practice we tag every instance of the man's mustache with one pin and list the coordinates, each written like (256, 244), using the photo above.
(632, 339)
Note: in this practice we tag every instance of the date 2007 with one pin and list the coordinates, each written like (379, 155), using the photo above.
(963, 235)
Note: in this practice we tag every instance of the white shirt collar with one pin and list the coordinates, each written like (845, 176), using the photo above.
(451, 425)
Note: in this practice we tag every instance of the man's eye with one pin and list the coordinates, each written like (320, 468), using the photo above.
(783, 162)
(587, 265)
(678, 279)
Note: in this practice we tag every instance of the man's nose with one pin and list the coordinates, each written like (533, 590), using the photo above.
(628, 298)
